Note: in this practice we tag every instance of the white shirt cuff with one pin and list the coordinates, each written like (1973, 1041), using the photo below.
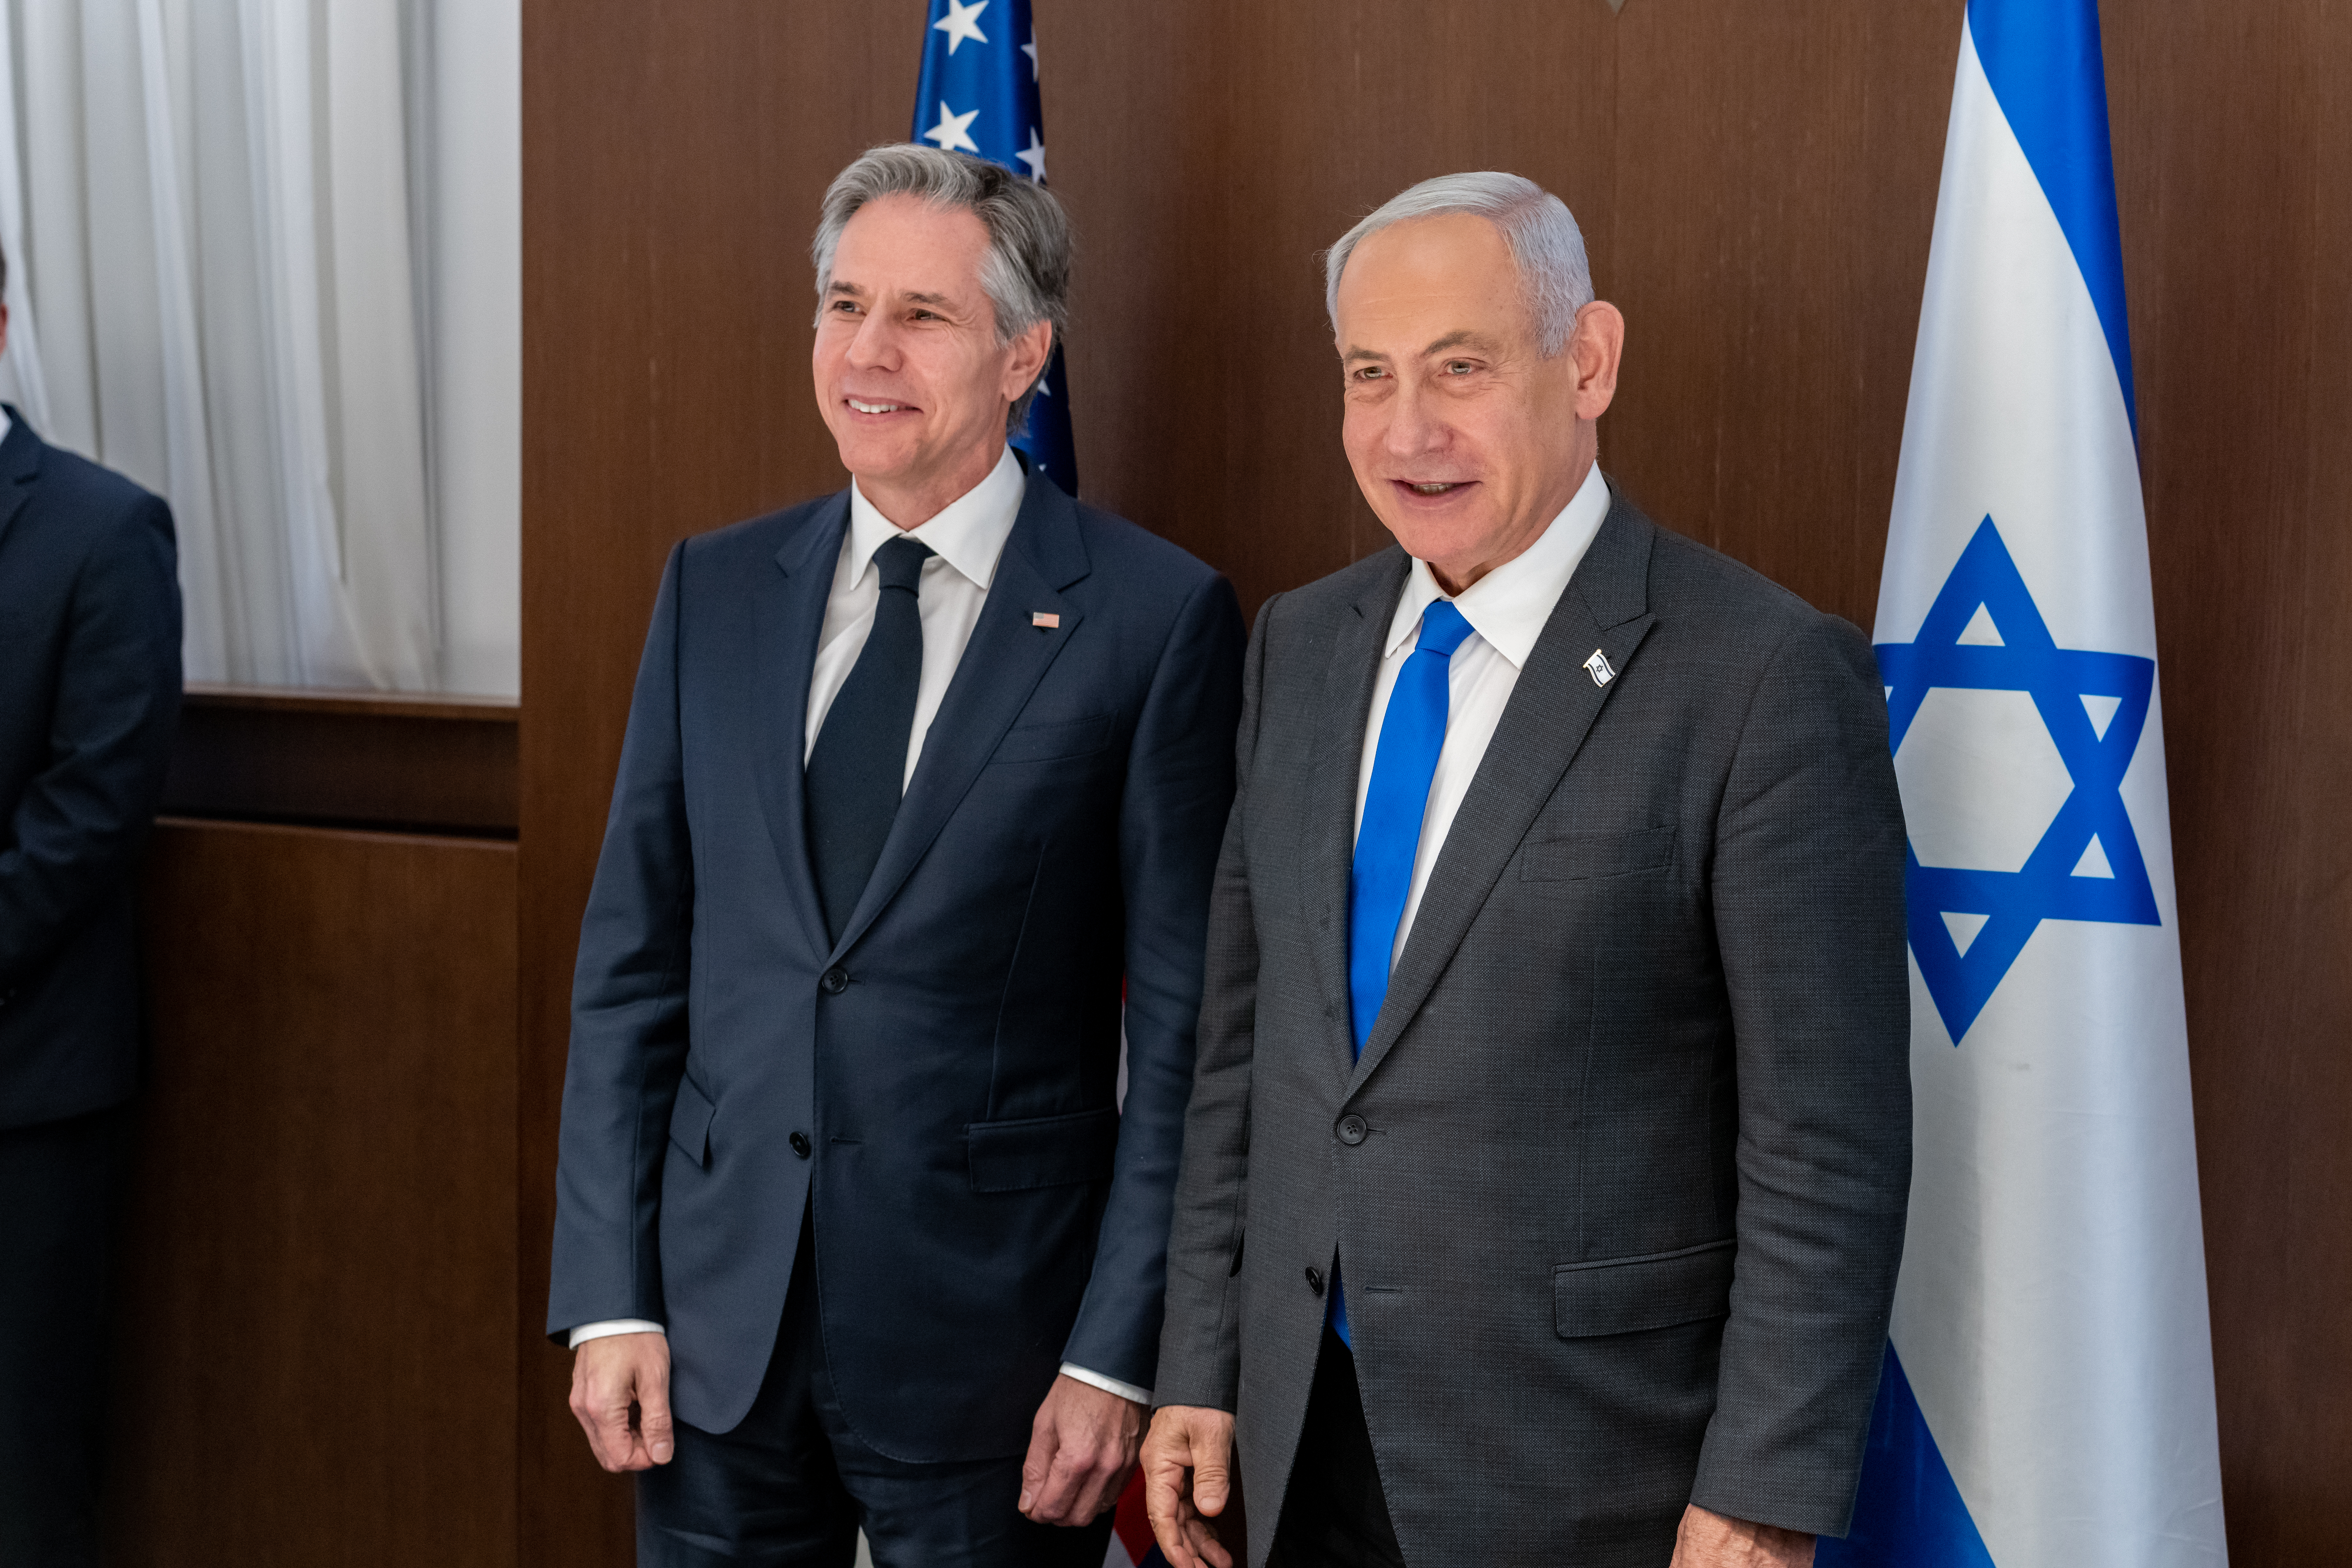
(1127, 1391)
(587, 1332)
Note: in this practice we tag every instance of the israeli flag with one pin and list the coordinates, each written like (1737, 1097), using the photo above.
(2048, 1395)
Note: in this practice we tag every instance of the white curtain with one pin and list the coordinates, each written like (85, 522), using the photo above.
(206, 209)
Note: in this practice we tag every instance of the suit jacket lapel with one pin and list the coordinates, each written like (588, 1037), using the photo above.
(20, 465)
(1002, 664)
(1344, 712)
(787, 619)
(1604, 606)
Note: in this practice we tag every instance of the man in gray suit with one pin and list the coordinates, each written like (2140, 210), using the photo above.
(1545, 1173)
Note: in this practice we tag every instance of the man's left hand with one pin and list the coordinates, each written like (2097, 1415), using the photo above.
(1081, 1448)
(1710, 1540)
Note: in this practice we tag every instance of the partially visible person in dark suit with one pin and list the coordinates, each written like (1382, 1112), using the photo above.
(89, 694)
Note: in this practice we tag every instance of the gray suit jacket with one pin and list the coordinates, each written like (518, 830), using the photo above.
(1622, 1221)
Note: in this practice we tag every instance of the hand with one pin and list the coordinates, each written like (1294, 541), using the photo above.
(1708, 1539)
(1080, 1448)
(610, 1376)
(1187, 1481)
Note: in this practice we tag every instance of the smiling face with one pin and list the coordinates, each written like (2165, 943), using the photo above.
(909, 374)
(1464, 439)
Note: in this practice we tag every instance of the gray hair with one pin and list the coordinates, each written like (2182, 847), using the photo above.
(1541, 232)
(1027, 271)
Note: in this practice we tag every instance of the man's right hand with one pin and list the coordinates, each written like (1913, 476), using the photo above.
(611, 1377)
(1187, 1481)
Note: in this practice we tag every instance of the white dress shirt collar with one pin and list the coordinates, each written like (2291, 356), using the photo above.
(1509, 606)
(968, 533)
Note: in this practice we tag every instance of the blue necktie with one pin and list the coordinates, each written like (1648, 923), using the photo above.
(1413, 732)
(857, 770)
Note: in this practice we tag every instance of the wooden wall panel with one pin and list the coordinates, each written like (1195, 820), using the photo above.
(2234, 155)
(315, 1360)
(1757, 183)
(1776, 176)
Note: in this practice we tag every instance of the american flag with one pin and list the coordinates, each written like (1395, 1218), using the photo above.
(979, 95)
(1131, 1545)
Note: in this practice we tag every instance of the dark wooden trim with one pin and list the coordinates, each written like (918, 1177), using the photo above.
(346, 759)
(363, 704)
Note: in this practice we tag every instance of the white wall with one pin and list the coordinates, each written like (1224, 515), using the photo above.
(476, 329)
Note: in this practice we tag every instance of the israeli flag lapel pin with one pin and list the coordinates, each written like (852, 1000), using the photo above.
(1598, 668)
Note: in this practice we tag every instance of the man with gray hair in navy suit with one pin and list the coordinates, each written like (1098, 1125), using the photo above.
(917, 774)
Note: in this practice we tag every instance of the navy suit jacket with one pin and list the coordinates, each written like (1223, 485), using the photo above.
(89, 694)
(939, 1086)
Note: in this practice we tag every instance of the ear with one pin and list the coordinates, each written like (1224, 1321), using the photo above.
(1026, 357)
(1596, 346)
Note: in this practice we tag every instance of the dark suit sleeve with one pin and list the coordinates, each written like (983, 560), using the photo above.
(1180, 785)
(628, 1013)
(1199, 1349)
(76, 830)
(1808, 892)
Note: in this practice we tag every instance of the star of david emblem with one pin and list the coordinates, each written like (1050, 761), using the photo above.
(2087, 864)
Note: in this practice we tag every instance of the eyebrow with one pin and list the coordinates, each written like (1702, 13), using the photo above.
(855, 292)
(1453, 340)
(1463, 339)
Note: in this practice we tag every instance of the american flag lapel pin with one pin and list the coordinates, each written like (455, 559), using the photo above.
(1046, 618)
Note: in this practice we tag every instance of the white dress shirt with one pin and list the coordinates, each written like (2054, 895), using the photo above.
(967, 538)
(1507, 610)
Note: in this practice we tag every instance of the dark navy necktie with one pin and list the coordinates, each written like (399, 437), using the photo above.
(1412, 731)
(857, 770)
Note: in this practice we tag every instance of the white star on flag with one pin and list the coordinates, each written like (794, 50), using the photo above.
(954, 131)
(1030, 48)
(963, 22)
(1034, 157)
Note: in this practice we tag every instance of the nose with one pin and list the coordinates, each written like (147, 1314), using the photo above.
(1415, 427)
(875, 345)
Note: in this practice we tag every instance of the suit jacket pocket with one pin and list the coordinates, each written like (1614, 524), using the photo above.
(1053, 742)
(1043, 1151)
(1574, 856)
(1626, 1295)
(689, 1122)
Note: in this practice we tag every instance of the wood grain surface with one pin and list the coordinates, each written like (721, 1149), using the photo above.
(1756, 184)
(2234, 157)
(316, 1361)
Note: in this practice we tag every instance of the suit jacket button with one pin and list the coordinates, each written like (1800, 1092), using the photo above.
(1351, 1130)
(800, 1143)
(833, 981)
(1315, 1280)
